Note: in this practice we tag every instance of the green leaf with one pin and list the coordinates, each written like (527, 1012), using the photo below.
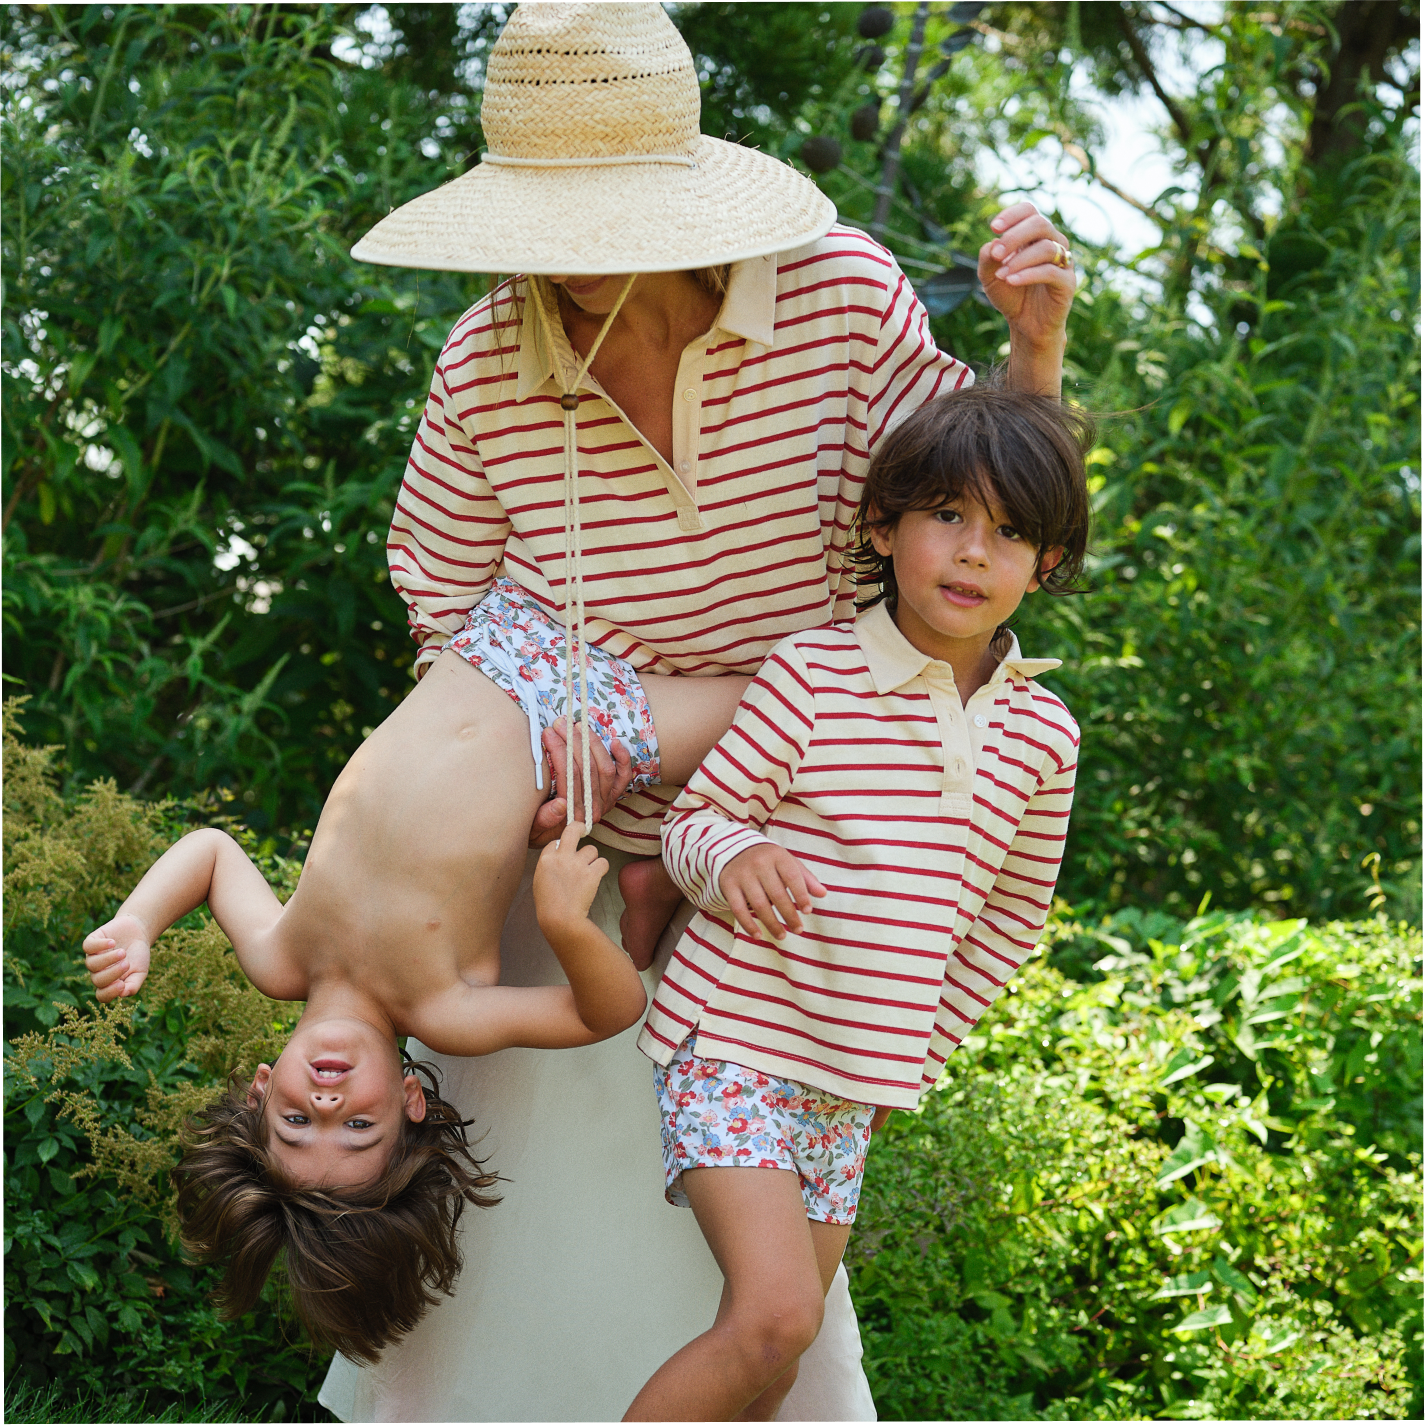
(1178, 416)
(47, 1149)
(1188, 1284)
(1220, 1315)
(1180, 1068)
(1230, 1277)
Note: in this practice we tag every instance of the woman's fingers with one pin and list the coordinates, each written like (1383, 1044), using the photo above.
(1046, 253)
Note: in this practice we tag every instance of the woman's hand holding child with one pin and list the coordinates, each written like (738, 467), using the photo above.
(766, 881)
(117, 957)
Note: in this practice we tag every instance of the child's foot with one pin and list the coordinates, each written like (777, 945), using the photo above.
(650, 897)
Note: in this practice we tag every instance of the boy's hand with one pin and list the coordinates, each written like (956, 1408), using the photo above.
(762, 882)
(566, 881)
(117, 957)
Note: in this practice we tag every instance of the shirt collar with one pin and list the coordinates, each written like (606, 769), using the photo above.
(749, 310)
(894, 661)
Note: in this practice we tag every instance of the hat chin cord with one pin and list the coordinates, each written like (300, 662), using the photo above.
(574, 561)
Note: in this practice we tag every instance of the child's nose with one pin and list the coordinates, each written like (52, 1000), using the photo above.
(326, 1100)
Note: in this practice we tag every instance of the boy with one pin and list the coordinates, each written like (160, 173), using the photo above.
(873, 847)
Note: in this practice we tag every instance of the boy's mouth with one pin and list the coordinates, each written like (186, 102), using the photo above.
(329, 1071)
(965, 596)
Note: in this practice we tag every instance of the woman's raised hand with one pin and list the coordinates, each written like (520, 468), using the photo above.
(1027, 271)
(117, 957)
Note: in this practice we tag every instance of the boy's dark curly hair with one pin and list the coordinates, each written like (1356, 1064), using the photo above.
(362, 1263)
(1023, 451)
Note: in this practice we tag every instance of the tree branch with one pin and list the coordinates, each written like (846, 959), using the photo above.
(1145, 65)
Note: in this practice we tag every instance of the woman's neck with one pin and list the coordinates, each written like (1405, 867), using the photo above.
(663, 312)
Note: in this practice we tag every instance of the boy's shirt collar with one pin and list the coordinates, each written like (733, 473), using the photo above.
(894, 661)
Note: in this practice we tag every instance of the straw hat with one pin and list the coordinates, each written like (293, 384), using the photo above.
(595, 163)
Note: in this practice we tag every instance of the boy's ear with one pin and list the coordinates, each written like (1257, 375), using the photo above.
(415, 1099)
(1048, 562)
(882, 536)
(257, 1089)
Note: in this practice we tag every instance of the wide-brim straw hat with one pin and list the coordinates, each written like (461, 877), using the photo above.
(595, 163)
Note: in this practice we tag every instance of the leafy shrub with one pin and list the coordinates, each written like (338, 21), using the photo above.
(97, 1295)
(1178, 1180)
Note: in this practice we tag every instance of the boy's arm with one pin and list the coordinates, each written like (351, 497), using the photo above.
(204, 866)
(604, 994)
(1012, 918)
(742, 780)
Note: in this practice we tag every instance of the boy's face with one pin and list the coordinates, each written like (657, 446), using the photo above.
(334, 1103)
(961, 570)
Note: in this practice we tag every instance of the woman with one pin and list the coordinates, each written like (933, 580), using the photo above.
(659, 434)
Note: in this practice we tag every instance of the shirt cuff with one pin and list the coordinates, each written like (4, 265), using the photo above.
(733, 842)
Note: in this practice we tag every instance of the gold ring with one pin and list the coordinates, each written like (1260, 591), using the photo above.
(1061, 256)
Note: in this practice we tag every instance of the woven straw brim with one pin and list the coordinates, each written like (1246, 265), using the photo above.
(589, 220)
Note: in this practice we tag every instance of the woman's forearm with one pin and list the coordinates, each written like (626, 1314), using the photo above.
(1036, 369)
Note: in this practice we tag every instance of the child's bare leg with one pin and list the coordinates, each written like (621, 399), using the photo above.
(689, 714)
(650, 900)
(777, 1268)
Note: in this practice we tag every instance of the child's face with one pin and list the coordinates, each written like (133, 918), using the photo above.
(961, 570)
(334, 1103)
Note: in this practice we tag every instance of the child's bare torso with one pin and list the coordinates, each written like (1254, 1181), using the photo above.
(420, 847)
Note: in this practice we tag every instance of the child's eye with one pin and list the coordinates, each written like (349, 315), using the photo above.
(296, 1118)
(1009, 532)
(359, 1123)
(948, 516)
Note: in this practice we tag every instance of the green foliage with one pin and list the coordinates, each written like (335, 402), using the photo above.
(97, 1296)
(1177, 1180)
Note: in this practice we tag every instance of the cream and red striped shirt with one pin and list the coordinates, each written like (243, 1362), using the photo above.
(936, 829)
(702, 566)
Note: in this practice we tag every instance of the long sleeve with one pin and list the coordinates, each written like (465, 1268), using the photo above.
(1013, 915)
(909, 369)
(449, 529)
(742, 780)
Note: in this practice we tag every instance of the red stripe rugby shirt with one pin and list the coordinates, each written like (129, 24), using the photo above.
(936, 829)
(702, 566)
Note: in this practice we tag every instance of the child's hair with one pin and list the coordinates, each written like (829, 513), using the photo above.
(362, 1263)
(1025, 452)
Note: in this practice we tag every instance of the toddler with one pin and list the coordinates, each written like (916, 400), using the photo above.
(337, 1153)
(873, 848)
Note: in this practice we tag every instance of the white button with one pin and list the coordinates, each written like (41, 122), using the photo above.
(979, 719)
(685, 466)
(690, 395)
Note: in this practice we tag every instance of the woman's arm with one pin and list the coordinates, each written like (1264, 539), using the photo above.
(1019, 275)
(204, 866)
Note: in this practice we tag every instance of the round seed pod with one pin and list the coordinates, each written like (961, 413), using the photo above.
(872, 58)
(875, 21)
(866, 122)
(821, 153)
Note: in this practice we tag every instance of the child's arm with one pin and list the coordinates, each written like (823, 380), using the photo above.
(604, 994)
(712, 843)
(206, 866)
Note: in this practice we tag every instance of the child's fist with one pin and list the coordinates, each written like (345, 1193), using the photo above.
(566, 881)
(766, 881)
(117, 957)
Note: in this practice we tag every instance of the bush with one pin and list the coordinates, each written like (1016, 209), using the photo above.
(1178, 1180)
(98, 1298)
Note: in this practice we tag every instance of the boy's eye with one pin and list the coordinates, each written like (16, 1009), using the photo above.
(1009, 532)
(297, 1118)
(948, 516)
(358, 1123)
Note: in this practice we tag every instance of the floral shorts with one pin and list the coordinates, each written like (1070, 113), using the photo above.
(720, 1115)
(515, 644)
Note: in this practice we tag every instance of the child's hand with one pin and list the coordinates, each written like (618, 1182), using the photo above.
(117, 957)
(763, 877)
(566, 880)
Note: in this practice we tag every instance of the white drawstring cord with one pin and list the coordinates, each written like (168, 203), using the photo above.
(574, 557)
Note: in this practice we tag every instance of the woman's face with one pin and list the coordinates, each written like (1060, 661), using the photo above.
(595, 295)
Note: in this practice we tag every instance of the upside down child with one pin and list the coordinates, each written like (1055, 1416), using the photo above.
(873, 848)
(337, 1153)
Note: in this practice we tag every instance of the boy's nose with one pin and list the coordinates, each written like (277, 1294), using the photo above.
(326, 1100)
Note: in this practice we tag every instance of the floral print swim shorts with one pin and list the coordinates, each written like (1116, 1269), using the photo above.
(720, 1115)
(515, 644)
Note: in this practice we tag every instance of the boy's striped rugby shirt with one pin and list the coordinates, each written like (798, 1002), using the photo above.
(700, 567)
(937, 831)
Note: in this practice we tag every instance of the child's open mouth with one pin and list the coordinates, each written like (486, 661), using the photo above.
(330, 1071)
(964, 596)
